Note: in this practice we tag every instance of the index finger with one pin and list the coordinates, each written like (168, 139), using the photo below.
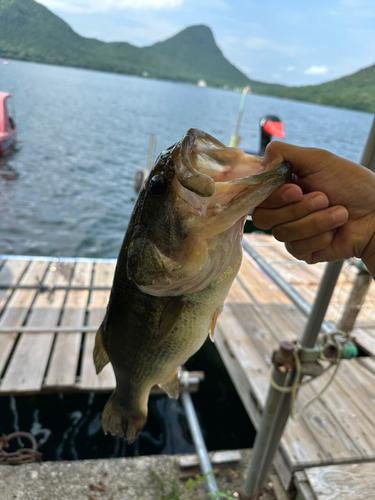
(303, 160)
(285, 194)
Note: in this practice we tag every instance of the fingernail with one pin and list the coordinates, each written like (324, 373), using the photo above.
(319, 201)
(261, 169)
(340, 215)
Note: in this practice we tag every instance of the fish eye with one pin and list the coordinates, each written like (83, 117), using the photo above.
(158, 185)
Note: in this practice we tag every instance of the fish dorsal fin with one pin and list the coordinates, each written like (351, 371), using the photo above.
(211, 329)
(171, 385)
(100, 354)
(169, 317)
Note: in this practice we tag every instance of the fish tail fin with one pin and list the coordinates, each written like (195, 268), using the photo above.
(117, 420)
(100, 354)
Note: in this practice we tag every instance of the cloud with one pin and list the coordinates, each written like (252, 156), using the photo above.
(290, 68)
(316, 70)
(104, 5)
(254, 43)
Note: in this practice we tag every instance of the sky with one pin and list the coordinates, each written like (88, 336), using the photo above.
(290, 42)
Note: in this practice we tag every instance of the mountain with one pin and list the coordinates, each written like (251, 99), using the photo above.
(356, 91)
(31, 32)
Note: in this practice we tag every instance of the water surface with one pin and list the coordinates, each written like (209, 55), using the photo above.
(83, 135)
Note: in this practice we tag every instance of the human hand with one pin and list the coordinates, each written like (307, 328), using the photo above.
(328, 211)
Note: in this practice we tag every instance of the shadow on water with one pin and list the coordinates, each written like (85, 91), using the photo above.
(68, 426)
(7, 173)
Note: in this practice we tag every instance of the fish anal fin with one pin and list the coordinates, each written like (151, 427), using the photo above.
(169, 317)
(171, 386)
(100, 354)
(118, 421)
(211, 329)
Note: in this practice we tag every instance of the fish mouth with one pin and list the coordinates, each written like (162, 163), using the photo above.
(212, 196)
(215, 185)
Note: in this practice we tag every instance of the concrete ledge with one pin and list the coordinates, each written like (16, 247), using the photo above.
(109, 479)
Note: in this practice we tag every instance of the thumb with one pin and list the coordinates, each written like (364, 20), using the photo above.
(304, 161)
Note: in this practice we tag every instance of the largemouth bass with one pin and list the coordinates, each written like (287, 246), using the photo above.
(180, 255)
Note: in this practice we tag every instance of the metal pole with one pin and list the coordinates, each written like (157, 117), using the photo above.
(234, 140)
(150, 153)
(308, 340)
(321, 303)
(271, 430)
(356, 299)
(198, 440)
(251, 483)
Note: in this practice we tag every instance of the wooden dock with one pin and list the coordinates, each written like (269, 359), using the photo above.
(44, 361)
(339, 428)
(38, 356)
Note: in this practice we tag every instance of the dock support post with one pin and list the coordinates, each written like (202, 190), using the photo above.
(271, 428)
(258, 455)
(198, 441)
(356, 298)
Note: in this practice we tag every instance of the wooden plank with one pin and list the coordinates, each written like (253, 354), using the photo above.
(347, 413)
(10, 274)
(339, 441)
(299, 445)
(250, 376)
(343, 482)
(359, 384)
(304, 491)
(368, 363)
(17, 308)
(29, 361)
(64, 361)
(237, 294)
(284, 321)
(260, 287)
(300, 274)
(103, 276)
(249, 338)
(322, 425)
(245, 352)
(365, 339)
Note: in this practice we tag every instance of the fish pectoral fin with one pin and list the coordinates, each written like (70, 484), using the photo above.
(211, 329)
(171, 386)
(100, 354)
(169, 317)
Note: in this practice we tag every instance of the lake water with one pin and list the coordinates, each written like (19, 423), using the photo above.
(84, 134)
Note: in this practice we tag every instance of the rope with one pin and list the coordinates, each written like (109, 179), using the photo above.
(21, 456)
(293, 389)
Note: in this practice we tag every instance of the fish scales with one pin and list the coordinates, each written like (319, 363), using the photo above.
(180, 255)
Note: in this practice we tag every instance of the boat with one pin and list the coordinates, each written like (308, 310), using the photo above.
(270, 126)
(8, 127)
